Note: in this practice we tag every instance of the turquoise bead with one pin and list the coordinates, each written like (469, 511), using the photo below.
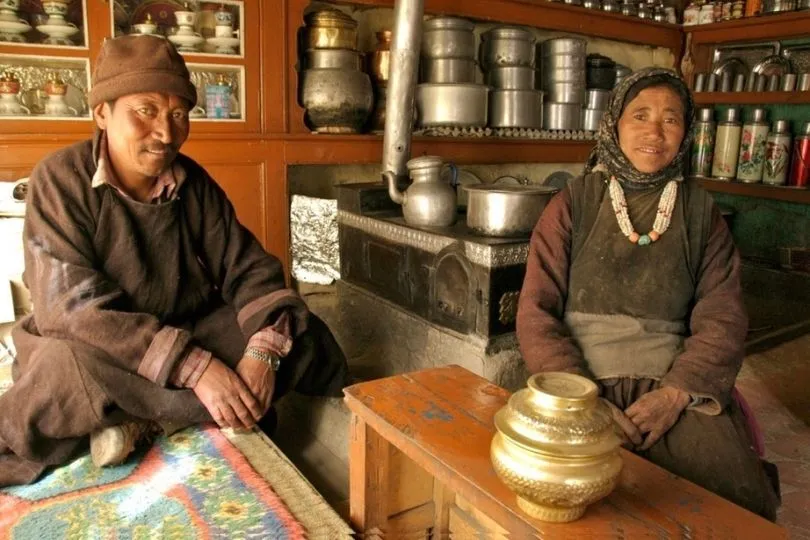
(644, 240)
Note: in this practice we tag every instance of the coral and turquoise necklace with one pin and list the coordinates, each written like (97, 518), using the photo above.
(663, 216)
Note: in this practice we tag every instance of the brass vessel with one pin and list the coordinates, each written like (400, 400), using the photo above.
(381, 58)
(330, 29)
(555, 446)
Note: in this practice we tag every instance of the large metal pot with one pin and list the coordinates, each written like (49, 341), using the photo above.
(454, 105)
(507, 46)
(336, 100)
(505, 210)
(567, 116)
(564, 92)
(563, 61)
(516, 109)
(511, 77)
(333, 59)
(448, 37)
(563, 75)
(447, 70)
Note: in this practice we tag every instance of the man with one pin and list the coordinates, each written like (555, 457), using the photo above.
(153, 306)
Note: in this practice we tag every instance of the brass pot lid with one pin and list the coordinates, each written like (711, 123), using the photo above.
(330, 17)
(559, 415)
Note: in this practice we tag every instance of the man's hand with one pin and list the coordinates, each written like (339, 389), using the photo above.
(656, 412)
(226, 397)
(628, 431)
(260, 379)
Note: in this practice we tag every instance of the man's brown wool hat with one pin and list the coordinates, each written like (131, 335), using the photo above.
(139, 64)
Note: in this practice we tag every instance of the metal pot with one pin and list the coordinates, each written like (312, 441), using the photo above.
(567, 116)
(591, 118)
(447, 70)
(336, 100)
(516, 109)
(563, 61)
(511, 77)
(455, 105)
(448, 37)
(330, 29)
(596, 98)
(563, 75)
(571, 46)
(601, 72)
(505, 210)
(333, 59)
(565, 92)
(507, 46)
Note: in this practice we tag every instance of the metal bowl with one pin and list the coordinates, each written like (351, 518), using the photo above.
(453, 105)
(447, 70)
(516, 109)
(511, 77)
(333, 59)
(566, 116)
(505, 210)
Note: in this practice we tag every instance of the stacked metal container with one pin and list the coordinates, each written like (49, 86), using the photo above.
(448, 95)
(508, 59)
(562, 77)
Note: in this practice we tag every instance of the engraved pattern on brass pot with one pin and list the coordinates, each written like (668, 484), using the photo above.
(555, 446)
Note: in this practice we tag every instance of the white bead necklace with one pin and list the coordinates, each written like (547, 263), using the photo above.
(663, 216)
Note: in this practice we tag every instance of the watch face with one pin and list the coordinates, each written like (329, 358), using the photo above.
(275, 362)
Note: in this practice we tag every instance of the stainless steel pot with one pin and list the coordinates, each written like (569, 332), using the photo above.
(596, 98)
(563, 61)
(516, 109)
(462, 105)
(448, 37)
(511, 77)
(507, 46)
(591, 118)
(565, 92)
(447, 70)
(563, 75)
(506, 210)
(573, 46)
(333, 59)
(566, 116)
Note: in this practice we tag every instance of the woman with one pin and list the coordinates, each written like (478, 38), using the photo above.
(633, 280)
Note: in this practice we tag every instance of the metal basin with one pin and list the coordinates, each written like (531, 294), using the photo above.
(506, 210)
(516, 109)
(462, 105)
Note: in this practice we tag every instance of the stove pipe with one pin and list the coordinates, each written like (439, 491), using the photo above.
(402, 78)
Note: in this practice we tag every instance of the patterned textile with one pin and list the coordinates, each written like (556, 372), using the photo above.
(193, 484)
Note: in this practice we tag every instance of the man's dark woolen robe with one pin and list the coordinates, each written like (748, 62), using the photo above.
(121, 291)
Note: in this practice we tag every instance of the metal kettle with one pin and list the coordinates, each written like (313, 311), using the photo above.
(430, 201)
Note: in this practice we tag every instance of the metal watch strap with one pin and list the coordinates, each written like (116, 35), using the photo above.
(265, 356)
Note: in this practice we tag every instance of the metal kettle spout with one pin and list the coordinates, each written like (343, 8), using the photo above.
(393, 191)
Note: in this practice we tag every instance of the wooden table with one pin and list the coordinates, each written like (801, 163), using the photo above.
(419, 463)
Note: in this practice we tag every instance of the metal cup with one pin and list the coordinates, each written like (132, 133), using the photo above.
(725, 82)
(773, 83)
(788, 82)
(700, 82)
(804, 82)
(739, 82)
(711, 86)
(762, 80)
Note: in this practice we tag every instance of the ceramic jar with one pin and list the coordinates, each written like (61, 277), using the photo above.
(691, 15)
(556, 447)
(147, 27)
(223, 17)
(56, 8)
(9, 96)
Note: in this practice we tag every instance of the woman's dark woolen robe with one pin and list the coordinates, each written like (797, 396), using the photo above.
(121, 290)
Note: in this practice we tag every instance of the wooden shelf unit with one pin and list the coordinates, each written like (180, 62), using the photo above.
(761, 191)
(752, 98)
(766, 27)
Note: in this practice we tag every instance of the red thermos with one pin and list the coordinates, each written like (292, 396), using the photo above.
(800, 165)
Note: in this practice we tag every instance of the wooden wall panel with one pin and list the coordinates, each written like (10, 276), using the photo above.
(246, 187)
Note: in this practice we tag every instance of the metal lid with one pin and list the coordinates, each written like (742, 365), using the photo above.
(448, 23)
(732, 115)
(422, 162)
(781, 126)
(508, 32)
(759, 116)
(330, 17)
(705, 114)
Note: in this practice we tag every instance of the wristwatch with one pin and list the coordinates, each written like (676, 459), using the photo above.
(267, 357)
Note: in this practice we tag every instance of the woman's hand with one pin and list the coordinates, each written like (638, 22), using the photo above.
(629, 433)
(260, 379)
(226, 397)
(656, 412)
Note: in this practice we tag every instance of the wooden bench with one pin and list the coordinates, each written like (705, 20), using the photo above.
(419, 464)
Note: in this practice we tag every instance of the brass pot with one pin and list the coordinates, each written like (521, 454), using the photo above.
(381, 58)
(555, 447)
(330, 29)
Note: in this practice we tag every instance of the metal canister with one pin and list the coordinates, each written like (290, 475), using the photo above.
(800, 160)
(777, 154)
(727, 146)
(703, 143)
(752, 148)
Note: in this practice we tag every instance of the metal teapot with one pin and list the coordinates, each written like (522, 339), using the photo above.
(430, 201)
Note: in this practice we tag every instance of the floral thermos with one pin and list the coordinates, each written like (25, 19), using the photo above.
(752, 148)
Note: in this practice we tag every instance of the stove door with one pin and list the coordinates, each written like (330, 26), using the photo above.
(452, 298)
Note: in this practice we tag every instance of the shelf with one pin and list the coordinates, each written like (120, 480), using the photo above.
(765, 27)
(761, 191)
(751, 98)
(312, 149)
(555, 16)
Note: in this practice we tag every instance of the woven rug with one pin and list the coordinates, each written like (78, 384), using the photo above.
(193, 484)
